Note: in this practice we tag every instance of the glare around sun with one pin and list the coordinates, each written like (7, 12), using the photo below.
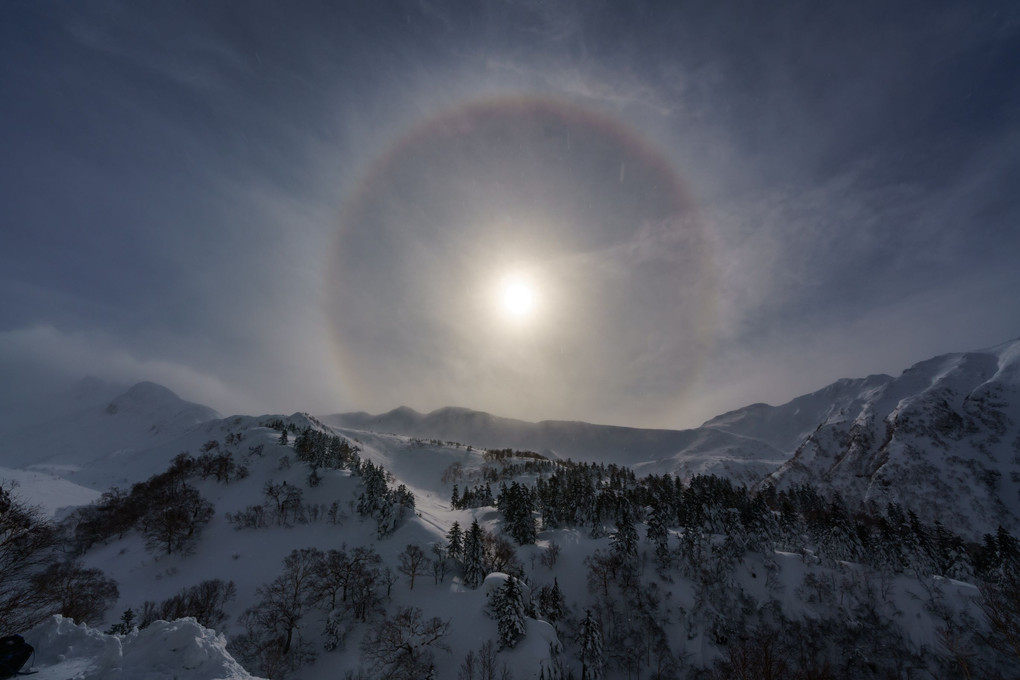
(517, 297)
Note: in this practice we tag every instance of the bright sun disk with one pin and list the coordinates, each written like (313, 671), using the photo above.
(518, 297)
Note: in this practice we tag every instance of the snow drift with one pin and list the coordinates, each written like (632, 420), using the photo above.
(66, 650)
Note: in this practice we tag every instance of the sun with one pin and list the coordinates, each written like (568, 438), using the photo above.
(517, 297)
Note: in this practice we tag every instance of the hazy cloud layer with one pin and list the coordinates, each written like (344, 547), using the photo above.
(229, 198)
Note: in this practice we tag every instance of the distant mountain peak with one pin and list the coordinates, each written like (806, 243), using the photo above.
(150, 390)
(879, 438)
(158, 405)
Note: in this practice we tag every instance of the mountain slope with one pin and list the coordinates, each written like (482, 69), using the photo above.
(924, 432)
(786, 427)
(96, 435)
(947, 428)
(744, 445)
(683, 452)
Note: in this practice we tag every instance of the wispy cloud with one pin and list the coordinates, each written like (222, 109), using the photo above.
(854, 200)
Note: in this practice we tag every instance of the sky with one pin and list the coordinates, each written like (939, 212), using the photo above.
(273, 207)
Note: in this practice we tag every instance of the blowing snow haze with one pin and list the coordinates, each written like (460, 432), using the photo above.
(641, 214)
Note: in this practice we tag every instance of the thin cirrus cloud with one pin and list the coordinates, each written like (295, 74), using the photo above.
(848, 172)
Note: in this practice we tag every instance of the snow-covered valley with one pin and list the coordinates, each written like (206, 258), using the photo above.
(853, 532)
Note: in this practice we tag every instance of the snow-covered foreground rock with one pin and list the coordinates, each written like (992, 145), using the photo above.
(176, 649)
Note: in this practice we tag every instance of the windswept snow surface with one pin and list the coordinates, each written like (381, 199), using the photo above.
(65, 650)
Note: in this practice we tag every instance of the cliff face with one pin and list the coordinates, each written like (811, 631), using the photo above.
(943, 438)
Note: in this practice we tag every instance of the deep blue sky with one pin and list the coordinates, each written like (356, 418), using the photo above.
(280, 206)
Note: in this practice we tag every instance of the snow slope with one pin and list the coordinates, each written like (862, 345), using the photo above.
(253, 557)
(65, 650)
(683, 452)
(941, 430)
(947, 428)
(95, 440)
(744, 445)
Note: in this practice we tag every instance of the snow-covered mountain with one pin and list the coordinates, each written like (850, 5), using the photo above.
(745, 445)
(684, 452)
(947, 427)
(163, 650)
(72, 446)
(943, 439)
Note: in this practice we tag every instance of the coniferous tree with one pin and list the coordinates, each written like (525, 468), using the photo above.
(948, 554)
(551, 602)
(760, 524)
(474, 556)
(508, 609)
(835, 534)
(589, 639)
(885, 552)
(625, 540)
(921, 536)
(455, 541)
(1008, 549)
(516, 503)
(658, 534)
(125, 625)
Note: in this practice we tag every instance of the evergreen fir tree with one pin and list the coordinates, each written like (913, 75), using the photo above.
(508, 608)
(948, 554)
(836, 535)
(625, 540)
(886, 551)
(455, 541)
(760, 524)
(589, 639)
(516, 504)
(916, 544)
(125, 625)
(474, 556)
(658, 534)
(1009, 550)
(551, 602)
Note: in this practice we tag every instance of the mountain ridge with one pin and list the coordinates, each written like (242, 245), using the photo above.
(961, 409)
(945, 425)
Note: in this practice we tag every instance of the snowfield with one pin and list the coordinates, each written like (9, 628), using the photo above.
(681, 573)
(65, 650)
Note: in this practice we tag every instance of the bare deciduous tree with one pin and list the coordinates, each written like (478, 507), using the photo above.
(1001, 605)
(412, 562)
(81, 594)
(27, 541)
(401, 648)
